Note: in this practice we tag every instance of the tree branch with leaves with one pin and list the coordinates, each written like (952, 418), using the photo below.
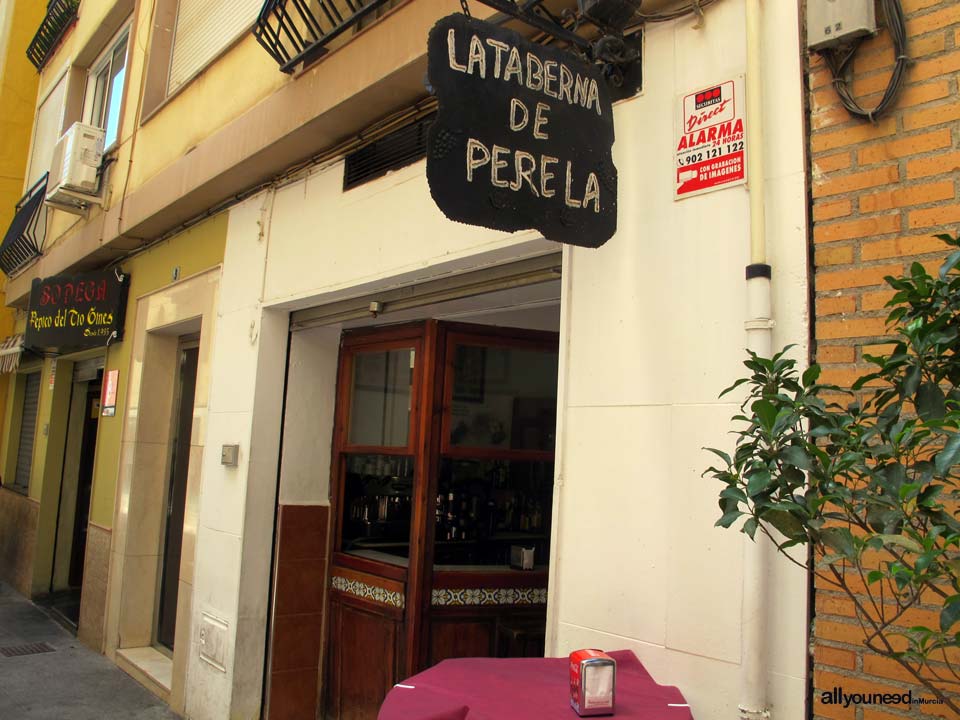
(869, 483)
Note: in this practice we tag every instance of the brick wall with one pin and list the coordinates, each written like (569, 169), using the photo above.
(880, 192)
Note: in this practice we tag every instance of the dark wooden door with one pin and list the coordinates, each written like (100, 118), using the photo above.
(177, 494)
(88, 448)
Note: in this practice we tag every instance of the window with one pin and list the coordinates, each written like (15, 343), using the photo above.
(101, 105)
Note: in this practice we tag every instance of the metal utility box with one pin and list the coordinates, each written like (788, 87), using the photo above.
(831, 22)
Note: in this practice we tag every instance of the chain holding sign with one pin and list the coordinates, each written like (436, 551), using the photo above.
(523, 136)
(711, 141)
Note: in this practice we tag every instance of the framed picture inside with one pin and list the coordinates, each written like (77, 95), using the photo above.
(469, 368)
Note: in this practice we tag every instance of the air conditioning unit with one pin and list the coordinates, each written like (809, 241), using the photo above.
(74, 184)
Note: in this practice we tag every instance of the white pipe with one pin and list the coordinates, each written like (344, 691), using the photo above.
(759, 327)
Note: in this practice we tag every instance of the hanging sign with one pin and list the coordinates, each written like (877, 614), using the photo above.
(523, 135)
(73, 312)
(711, 143)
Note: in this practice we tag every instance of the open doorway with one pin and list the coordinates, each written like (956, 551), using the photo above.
(188, 354)
(76, 486)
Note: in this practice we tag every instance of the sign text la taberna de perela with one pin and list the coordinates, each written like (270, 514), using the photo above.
(523, 136)
(72, 312)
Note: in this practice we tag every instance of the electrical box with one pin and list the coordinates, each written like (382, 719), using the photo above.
(832, 22)
(74, 182)
(229, 455)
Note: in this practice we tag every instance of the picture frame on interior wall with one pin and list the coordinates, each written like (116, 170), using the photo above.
(469, 374)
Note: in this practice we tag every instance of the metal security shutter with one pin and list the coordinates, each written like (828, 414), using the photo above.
(522, 273)
(28, 429)
(86, 370)
(204, 28)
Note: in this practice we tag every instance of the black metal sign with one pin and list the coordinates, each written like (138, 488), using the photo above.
(73, 312)
(523, 135)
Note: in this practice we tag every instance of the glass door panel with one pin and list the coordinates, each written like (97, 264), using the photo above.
(380, 398)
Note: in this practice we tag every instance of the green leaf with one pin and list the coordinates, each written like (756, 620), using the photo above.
(734, 493)
(766, 413)
(728, 519)
(901, 541)
(949, 264)
(911, 382)
(797, 457)
(931, 402)
(787, 524)
(812, 373)
(950, 613)
(758, 482)
(947, 457)
(841, 540)
(720, 454)
(873, 576)
(750, 528)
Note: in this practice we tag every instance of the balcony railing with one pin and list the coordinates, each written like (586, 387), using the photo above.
(24, 238)
(60, 15)
(299, 31)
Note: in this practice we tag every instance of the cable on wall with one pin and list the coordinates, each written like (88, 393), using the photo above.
(840, 59)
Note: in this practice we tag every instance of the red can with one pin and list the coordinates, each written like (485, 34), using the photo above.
(593, 682)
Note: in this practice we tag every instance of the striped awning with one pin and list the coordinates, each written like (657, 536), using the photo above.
(10, 350)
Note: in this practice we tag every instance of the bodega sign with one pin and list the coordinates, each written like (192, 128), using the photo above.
(523, 135)
(73, 312)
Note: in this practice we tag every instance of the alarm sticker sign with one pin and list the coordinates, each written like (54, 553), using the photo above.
(711, 143)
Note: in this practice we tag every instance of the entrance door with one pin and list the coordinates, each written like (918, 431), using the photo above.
(189, 353)
(88, 447)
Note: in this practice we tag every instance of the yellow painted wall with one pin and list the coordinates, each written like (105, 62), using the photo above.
(19, 20)
(230, 86)
(193, 251)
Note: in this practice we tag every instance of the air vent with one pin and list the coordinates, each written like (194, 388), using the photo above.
(396, 150)
(29, 649)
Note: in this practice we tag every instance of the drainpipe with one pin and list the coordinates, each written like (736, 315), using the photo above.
(759, 327)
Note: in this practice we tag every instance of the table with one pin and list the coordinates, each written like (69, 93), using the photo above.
(523, 689)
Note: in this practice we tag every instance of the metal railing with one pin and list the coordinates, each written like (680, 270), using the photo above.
(299, 31)
(61, 14)
(24, 238)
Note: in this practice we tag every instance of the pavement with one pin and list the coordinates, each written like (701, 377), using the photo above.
(71, 682)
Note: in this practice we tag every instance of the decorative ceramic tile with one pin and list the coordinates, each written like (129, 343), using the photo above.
(489, 596)
(368, 592)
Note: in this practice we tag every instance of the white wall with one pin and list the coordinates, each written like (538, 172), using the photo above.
(327, 244)
(235, 527)
(652, 331)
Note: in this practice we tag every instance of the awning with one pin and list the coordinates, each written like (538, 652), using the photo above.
(10, 350)
(25, 235)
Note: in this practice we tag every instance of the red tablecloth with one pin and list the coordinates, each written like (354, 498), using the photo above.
(523, 689)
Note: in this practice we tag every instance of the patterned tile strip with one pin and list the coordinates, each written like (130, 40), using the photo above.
(368, 592)
(489, 596)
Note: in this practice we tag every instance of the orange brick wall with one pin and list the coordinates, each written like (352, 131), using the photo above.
(880, 191)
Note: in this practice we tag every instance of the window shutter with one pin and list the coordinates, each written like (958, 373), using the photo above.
(28, 429)
(204, 28)
(47, 131)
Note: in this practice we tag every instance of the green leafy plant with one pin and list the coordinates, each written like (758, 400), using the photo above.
(867, 478)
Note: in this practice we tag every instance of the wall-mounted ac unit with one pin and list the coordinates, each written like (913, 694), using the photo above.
(74, 184)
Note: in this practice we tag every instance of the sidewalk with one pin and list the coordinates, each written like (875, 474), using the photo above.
(70, 683)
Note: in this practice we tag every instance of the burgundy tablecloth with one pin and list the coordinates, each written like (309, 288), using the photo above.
(523, 689)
